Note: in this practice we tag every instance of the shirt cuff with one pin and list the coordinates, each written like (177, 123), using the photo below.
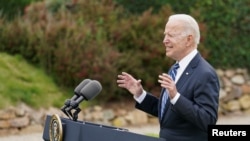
(176, 97)
(141, 97)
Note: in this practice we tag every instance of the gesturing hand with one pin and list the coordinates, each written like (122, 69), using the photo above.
(167, 82)
(128, 82)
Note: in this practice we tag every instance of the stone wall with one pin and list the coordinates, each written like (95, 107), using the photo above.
(235, 91)
(234, 99)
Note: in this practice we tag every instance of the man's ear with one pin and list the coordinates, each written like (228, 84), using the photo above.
(190, 41)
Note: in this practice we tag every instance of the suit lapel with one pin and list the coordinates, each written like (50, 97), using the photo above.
(184, 77)
(188, 71)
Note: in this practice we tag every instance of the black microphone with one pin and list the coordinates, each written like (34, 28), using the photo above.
(88, 92)
(77, 92)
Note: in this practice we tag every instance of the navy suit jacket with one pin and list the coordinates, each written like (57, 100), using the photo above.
(196, 108)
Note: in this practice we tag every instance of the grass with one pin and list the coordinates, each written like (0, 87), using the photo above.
(24, 83)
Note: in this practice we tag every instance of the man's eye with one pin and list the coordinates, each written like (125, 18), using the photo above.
(171, 35)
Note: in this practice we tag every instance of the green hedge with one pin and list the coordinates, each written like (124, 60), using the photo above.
(13, 8)
(228, 31)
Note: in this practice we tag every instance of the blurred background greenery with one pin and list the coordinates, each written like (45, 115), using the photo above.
(49, 46)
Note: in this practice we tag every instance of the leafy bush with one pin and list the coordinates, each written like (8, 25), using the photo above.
(227, 32)
(13, 8)
(140, 6)
(224, 26)
(99, 39)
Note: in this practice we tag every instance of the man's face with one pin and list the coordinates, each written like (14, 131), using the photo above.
(175, 40)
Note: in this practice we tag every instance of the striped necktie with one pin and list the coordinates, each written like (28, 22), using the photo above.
(165, 93)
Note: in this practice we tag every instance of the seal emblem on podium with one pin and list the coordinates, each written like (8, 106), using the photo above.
(55, 128)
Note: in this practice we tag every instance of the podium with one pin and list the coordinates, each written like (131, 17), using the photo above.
(71, 130)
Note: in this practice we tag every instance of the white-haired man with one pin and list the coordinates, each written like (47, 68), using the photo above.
(190, 90)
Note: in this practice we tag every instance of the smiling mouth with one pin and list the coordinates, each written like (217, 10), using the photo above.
(169, 48)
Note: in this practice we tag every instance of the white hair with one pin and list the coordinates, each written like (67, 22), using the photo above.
(191, 26)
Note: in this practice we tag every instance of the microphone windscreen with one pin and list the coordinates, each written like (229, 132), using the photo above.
(77, 90)
(91, 90)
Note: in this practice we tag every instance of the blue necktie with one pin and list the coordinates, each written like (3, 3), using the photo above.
(165, 93)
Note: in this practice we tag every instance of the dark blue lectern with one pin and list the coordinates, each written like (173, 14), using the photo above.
(85, 131)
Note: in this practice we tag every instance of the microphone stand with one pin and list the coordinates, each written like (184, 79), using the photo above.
(75, 114)
(66, 105)
(67, 110)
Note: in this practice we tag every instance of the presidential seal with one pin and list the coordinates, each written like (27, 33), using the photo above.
(55, 130)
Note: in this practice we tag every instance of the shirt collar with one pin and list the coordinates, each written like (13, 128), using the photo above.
(187, 59)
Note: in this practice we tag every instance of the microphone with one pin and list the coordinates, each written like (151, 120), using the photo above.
(76, 93)
(77, 90)
(88, 92)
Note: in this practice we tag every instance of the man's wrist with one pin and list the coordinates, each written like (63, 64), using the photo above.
(175, 98)
(140, 97)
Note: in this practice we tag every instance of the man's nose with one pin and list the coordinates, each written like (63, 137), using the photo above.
(165, 40)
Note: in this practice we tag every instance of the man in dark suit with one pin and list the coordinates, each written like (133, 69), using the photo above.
(190, 91)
